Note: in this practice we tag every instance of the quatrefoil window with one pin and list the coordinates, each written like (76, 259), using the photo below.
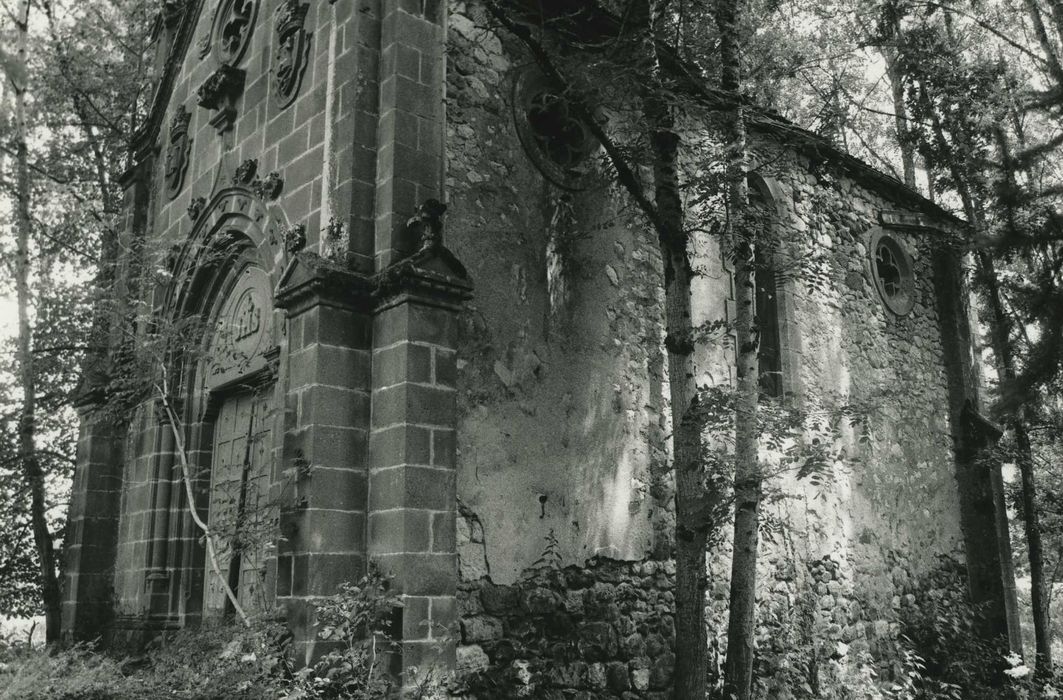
(891, 267)
(232, 29)
(554, 136)
(557, 130)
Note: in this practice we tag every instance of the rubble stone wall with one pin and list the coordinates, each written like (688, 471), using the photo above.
(562, 440)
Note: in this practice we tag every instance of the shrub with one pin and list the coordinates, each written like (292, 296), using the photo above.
(228, 661)
(77, 673)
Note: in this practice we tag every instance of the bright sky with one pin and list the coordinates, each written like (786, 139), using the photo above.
(8, 317)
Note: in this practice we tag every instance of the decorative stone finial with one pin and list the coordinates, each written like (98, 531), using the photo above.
(427, 224)
(245, 173)
(295, 238)
(196, 207)
(268, 188)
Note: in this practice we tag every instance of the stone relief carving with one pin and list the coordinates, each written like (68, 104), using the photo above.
(427, 224)
(196, 207)
(245, 172)
(295, 238)
(234, 22)
(293, 49)
(269, 187)
(241, 333)
(177, 151)
(219, 92)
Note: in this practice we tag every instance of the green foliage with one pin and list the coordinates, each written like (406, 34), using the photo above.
(86, 86)
(355, 623)
(77, 673)
(231, 661)
(943, 651)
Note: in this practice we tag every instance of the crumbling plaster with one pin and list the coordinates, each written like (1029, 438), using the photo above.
(576, 412)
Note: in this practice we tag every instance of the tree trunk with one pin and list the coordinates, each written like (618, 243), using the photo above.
(1055, 69)
(1000, 339)
(738, 670)
(900, 111)
(27, 424)
(693, 509)
(1039, 591)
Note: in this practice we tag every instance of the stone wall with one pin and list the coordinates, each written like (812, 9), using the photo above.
(603, 630)
(554, 375)
(564, 415)
(284, 141)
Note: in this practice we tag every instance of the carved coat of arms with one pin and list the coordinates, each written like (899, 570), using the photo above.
(293, 49)
(177, 150)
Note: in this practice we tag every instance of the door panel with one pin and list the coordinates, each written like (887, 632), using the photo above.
(238, 516)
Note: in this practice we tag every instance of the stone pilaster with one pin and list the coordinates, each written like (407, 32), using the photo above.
(92, 529)
(991, 579)
(412, 488)
(322, 510)
(158, 572)
(410, 151)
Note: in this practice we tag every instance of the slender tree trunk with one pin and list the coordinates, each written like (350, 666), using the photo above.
(1000, 338)
(1039, 592)
(693, 512)
(1055, 69)
(27, 424)
(747, 484)
(900, 111)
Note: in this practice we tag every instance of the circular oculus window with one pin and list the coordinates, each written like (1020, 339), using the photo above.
(556, 140)
(891, 267)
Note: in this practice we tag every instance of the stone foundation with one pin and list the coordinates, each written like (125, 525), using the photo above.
(603, 630)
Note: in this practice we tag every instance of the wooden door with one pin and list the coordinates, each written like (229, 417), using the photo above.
(239, 515)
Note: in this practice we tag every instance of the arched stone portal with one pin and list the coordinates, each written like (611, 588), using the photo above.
(240, 510)
(226, 394)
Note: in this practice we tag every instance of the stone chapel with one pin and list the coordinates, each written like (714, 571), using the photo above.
(481, 409)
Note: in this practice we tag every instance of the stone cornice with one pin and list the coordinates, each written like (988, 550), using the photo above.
(310, 280)
(144, 137)
(435, 278)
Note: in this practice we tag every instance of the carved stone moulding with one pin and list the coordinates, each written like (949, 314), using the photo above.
(177, 150)
(220, 92)
(292, 53)
(230, 35)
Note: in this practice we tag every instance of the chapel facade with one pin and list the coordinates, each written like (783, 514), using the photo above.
(481, 408)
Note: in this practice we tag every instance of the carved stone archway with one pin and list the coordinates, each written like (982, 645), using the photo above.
(221, 290)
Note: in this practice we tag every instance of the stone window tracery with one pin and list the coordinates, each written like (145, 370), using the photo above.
(233, 26)
(556, 139)
(891, 268)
